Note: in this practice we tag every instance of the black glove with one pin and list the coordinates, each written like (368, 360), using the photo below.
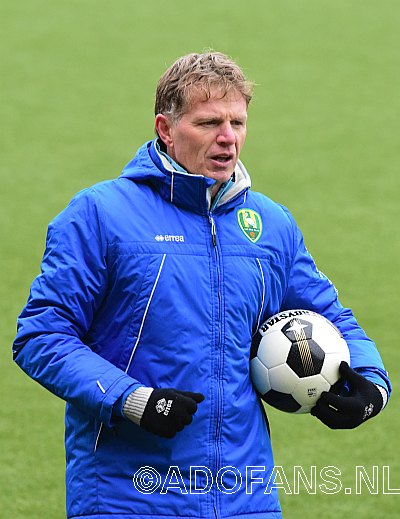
(169, 410)
(347, 410)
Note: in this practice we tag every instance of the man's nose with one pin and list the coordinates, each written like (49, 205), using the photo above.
(226, 135)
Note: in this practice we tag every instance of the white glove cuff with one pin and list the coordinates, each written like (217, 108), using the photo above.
(384, 394)
(136, 402)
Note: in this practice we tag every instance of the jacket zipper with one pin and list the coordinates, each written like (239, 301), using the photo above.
(219, 353)
(213, 230)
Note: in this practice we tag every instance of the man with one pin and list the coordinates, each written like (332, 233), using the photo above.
(143, 315)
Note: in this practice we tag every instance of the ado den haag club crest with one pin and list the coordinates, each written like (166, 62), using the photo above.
(251, 224)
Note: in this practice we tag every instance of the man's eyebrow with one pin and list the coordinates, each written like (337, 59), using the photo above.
(213, 117)
(210, 117)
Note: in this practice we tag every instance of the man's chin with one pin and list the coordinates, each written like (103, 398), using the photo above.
(220, 176)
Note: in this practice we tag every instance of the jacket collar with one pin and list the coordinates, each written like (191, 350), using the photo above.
(183, 189)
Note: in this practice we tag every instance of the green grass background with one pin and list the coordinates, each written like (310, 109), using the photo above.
(77, 80)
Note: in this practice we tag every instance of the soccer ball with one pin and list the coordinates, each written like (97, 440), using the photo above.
(295, 356)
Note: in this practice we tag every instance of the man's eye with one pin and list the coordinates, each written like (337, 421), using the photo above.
(237, 123)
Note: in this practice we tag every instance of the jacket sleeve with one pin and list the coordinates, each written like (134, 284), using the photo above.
(310, 289)
(63, 299)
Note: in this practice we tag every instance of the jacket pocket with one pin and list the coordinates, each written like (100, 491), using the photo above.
(263, 296)
(141, 308)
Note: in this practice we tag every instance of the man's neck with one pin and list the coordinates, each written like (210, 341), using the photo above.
(216, 191)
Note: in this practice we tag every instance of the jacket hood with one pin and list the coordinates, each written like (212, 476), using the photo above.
(183, 189)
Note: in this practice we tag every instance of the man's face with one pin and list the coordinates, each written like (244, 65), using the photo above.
(208, 138)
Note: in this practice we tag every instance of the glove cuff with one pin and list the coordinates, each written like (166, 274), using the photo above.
(136, 402)
(384, 394)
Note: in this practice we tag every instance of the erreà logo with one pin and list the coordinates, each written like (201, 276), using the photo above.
(251, 224)
(169, 237)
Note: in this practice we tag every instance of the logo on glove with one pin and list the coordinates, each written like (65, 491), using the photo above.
(368, 411)
(163, 406)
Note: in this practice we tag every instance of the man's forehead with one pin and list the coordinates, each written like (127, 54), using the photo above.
(202, 100)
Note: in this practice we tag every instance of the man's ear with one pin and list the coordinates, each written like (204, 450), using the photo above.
(163, 127)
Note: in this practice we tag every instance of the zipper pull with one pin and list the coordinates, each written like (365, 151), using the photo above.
(213, 231)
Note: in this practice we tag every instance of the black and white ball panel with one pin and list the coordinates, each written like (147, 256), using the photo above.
(294, 357)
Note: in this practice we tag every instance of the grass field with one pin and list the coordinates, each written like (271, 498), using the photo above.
(77, 81)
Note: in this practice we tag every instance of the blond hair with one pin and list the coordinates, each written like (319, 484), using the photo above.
(195, 73)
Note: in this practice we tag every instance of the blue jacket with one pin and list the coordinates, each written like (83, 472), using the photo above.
(143, 284)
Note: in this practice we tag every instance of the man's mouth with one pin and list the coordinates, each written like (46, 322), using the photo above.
(222, 158)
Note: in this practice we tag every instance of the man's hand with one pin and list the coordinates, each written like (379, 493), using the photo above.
(363, 401)
(168, 411)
